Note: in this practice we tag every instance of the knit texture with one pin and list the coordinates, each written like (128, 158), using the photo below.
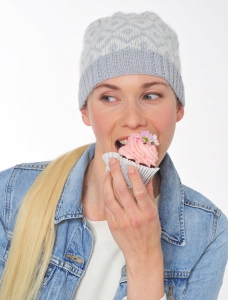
(129, 44)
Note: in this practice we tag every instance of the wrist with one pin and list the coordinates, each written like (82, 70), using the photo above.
(145, 276)
(145, 261)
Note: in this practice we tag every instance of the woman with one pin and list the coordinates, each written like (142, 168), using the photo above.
(71, 230)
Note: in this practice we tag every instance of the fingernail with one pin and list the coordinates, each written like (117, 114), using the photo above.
(131, 169)
(112, 161)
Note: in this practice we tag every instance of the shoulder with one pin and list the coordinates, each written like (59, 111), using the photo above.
(203, 212)
(20, 174)
(193, 198)
(14, 184)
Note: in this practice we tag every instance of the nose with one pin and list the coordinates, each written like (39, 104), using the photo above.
(133, 116)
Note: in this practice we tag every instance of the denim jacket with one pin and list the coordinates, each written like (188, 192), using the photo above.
(194, 234)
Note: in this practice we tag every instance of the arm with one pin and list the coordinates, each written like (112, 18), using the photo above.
(134, 223)
(206, 277)
(4, 177)
(164, 298)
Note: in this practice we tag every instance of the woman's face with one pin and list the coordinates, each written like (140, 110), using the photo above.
(129, 104)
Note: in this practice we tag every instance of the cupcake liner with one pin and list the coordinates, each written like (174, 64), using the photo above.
(145, 172)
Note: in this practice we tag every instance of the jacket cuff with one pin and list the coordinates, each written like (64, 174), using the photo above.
(163, 298)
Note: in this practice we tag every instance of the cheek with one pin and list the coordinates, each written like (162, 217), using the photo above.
(165, 126)
(99, 123)
(167, 122)
(103, 126)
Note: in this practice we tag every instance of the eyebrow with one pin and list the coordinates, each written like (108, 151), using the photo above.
(149, 84)
(110, 86)
(116, 88)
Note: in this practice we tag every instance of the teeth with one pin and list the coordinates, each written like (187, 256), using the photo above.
(123, 142)
(120, 143)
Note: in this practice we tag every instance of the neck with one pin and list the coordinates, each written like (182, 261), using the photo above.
(92, 192)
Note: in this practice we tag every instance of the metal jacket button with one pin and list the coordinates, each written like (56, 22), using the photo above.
(77, 259)
(170, 294)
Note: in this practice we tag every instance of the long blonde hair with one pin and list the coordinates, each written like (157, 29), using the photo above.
(34, 233)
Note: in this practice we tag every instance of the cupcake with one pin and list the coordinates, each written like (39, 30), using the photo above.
(140, 151)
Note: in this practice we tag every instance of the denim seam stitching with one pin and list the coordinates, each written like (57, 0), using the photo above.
(8, 191)
(29, 166)
(60, 263)
(207, 208)
(214, 229)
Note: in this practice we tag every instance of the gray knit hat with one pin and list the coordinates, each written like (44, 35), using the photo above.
(129, 44)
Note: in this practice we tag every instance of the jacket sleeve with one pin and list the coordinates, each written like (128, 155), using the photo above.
(206, 277)
(164, 298)
(4, 177)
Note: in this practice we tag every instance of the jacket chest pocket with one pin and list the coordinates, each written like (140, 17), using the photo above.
(50, 269)
(175, 283)
(49, 273)
(6, 252)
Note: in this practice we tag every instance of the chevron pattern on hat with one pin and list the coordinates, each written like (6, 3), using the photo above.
(142, 32)
(129, 44)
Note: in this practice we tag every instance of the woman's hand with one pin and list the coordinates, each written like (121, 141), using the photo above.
(134, 222)
(132, 215)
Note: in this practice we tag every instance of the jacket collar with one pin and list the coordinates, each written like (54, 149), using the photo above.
(171, 207)
(69, 205)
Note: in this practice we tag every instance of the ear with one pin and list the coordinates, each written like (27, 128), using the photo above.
(180, 112)
(85, 115)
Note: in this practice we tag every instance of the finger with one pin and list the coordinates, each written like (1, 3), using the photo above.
(111, 219)
(110, 200)
(150, 191)
(140, 191)
(120, 187)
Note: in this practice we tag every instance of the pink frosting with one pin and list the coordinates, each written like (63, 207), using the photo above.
(138, 151)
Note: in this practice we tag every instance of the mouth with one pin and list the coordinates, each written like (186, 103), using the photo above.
(120, 143)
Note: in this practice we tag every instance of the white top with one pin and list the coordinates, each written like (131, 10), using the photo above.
(101, 279)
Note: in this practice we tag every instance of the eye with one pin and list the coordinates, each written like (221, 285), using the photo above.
(151, 96)
(108, 98)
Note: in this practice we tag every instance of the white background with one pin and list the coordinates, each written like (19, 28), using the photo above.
(40, 45)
